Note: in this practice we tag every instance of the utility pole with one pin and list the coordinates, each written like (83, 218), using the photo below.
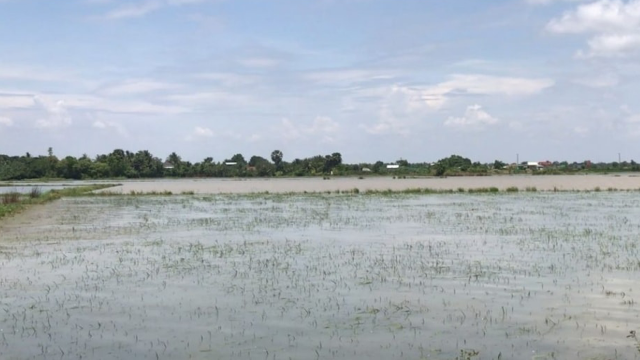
(517, 159)
(619, 159)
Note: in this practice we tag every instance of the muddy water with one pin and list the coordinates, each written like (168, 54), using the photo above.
(511, 276)
(234, 186)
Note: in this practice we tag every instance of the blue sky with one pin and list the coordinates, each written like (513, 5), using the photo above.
(372, 79)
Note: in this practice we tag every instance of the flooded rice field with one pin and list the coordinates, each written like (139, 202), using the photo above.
(298, 185)
(454, 276)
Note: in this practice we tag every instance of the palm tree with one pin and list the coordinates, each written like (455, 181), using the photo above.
(276, 157)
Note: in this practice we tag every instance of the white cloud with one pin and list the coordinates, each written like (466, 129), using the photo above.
(581, 130)
(346, 76)
(5, 121)
(289, 131)
(241, 136)
(16, 101)
(259, 62)
(21, 72)
(610, 45)
(110, 125)
(56, 113)
(323, 128)
(399, 108)
(202, 132)
(599, 80)
(632, 123)
(94, 103)
(434, 97)
(197, 99)
(323, 124)
(475, 118)
(387, 125)
(516, 125)
(48, 102)
(142, 8)
(229, 79)
(403, 107)
(614, 25)
(547, 2)
(139, 86)
(475, 84)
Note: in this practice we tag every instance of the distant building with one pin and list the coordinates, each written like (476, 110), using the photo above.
(167, 165)
(393, 166)
(533, 165)
(231, 163)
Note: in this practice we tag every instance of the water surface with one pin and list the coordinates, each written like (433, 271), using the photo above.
(510, 276)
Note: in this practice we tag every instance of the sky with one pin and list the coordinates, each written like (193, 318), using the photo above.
(372, 79)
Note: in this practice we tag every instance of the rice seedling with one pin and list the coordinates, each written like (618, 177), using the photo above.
(632, 335)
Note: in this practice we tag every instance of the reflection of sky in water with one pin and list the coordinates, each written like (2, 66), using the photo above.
(518, 275)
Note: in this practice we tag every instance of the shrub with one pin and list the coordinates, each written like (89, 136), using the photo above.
(10, 198)
(35, 192)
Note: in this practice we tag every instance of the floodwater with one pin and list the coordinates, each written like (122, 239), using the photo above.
(622, 181)
(453, 276)
(287, 185)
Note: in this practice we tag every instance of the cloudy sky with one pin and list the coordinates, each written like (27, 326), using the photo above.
(372, 79)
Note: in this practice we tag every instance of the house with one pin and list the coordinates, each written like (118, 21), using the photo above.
(167, 165)
(366, 170)
(231, 163)
(533, 165)
(393, 166)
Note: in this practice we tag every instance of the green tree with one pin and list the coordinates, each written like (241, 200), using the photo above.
(262, 167)
(207, 167)
(498, 164)
(174, 159)
(118, 163)
(454, 163)
(145, 165)
(377, 167)
(276, 157)
(68, 168)
(239, 159)
(331, 161)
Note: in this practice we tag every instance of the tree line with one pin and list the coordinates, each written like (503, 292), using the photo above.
(142, 164)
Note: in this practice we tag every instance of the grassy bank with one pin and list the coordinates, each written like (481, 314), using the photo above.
(12, 203)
